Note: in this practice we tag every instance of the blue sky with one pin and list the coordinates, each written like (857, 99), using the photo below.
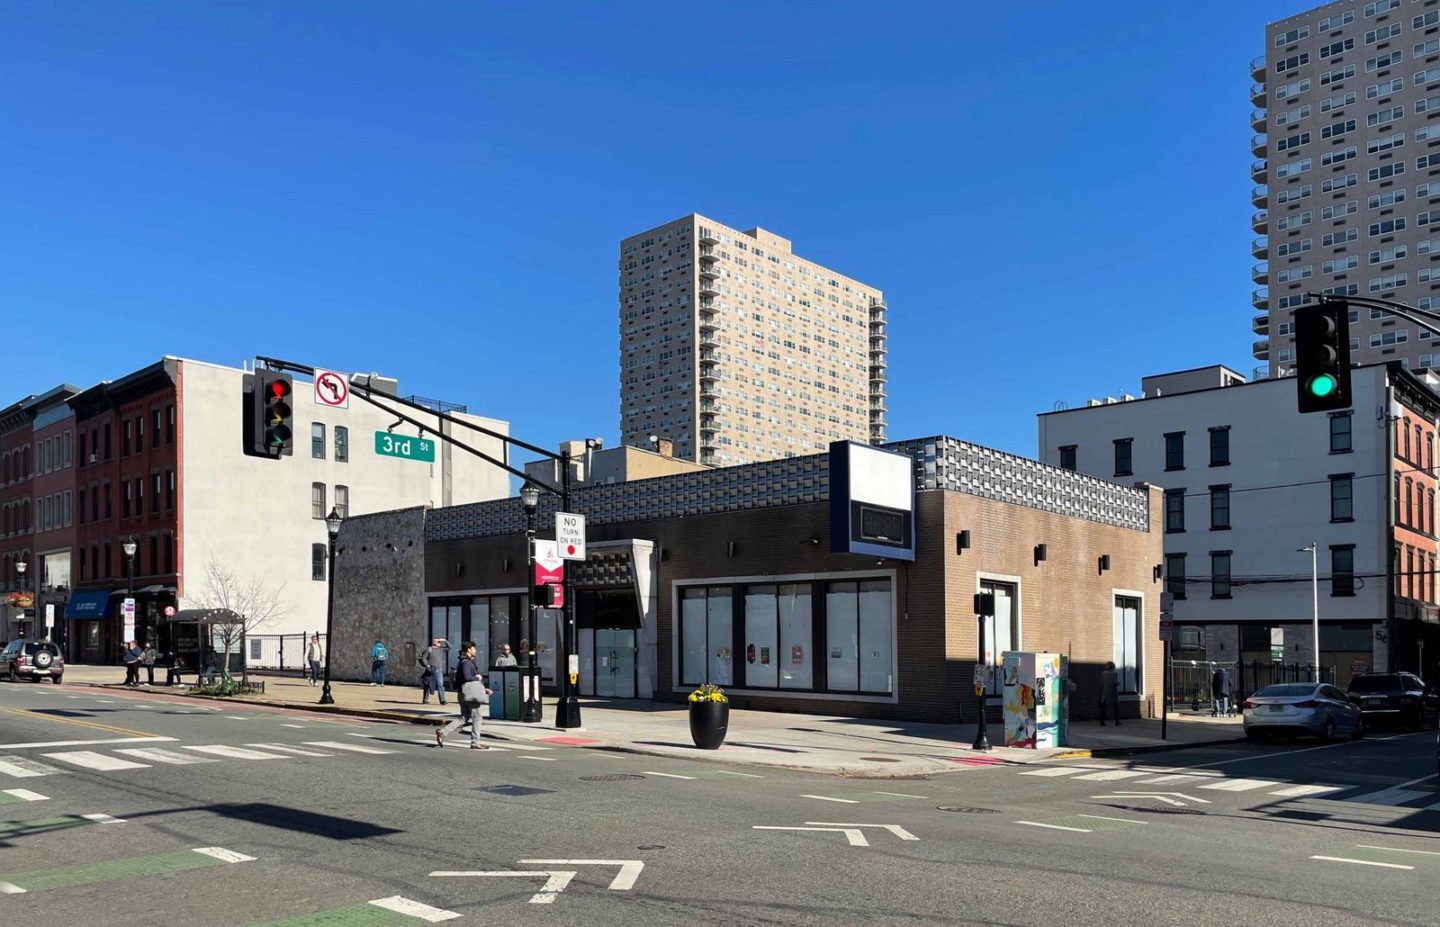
(1054, 197)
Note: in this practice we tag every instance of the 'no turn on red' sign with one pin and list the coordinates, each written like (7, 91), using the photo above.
(570, 535)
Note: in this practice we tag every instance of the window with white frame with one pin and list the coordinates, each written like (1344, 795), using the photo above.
(1384, 87)
(1340, 265)
(1392, 337)
(1386, 255)
(1126, 635)
(1387, 199)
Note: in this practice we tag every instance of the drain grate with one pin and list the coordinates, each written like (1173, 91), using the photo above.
(962, 809)
(1165, 810)
(614, 777)
(881, 759)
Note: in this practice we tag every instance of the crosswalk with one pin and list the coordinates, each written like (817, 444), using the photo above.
(1216, 781)
(119, 759)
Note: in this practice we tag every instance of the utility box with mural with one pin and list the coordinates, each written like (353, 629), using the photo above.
(1035, 699)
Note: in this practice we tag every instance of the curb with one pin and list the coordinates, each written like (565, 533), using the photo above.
(1103, 752)
(269, 703)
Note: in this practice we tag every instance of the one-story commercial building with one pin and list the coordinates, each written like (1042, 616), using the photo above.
(754, 578)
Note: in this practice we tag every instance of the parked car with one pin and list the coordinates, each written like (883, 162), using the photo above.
(1318, 709)
(1396, 698)
(33, 660)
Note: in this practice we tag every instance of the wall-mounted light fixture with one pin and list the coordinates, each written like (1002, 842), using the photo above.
(1041, 552)
(505, 565)
(729, 548)
(1159, 572)
(459, 568)
(1104, 562)
(962, 541)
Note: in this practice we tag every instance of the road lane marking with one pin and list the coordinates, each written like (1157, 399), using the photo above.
(855, 836)
(1111, 775)
(624, 880)
(1299, 791)
(1362, 846)
(1361, 862)
(669, 775)
(237, 717)
(224, 855)
(1078, 830)
(234, 753)
(841, 801)
(1101, 817)
(353, 748)
(895, 829)
(103, 819)
(402, 905)
(285, 748)
(41, 716)
(118, 870)
(1239, 785)
(25, 768)
(900, 794)
(1051, 771)
(538, 759)
(51, 744)
(157, 755)
(25, 795)
(1392, 796)
(1175, 777)
(88, 759)
(299, 727)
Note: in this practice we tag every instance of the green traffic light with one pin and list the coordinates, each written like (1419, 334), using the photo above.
(1322, 386)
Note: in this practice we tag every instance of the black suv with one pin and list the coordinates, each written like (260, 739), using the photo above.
(35, 660)
(1396, 697)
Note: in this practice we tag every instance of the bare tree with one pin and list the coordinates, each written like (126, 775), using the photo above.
(252, 602)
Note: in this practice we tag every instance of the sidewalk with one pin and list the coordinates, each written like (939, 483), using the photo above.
(818, 743)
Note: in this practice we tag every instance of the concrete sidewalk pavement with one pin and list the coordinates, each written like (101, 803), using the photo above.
(819, 743)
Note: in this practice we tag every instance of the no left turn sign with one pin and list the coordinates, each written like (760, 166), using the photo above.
(332, 389)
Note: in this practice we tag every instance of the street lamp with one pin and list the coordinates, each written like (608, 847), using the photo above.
(1313, 551)
(332, 527)
(21, 566)
(530, 710)
(129, 547)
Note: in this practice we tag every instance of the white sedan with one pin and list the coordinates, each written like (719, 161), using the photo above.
(1311, 708)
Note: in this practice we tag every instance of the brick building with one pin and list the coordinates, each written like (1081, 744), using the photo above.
(16, 509)
(728, 576)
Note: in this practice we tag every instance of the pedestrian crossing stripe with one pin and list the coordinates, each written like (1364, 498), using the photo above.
(395, 911)
(1391, 797)
(352, 748)
(13, 795)
(118, 870)
(29, 828)
(22, 767)
(168, 757)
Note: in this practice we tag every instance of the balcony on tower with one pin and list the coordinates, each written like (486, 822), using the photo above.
(1257, 119)
(1258, 195)
(1260, 273)
(1260, 247)
(1257, 68)
(1260, 350)
(1260, 298)
(877, 373)
(1257, 144)
(1260, 324)
(1260, 222)
(1260, 172)
(708, 236)
(1257, 94)
(707, 287)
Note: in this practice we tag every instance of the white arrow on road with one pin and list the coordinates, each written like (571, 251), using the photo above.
(555, 880)
(1167, 797)
(624, 880)
(854, 835)
(895, 829)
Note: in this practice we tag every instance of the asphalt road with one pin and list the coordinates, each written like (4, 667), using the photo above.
(249, 816)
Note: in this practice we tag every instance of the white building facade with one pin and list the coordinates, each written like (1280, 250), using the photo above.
(1249, 481)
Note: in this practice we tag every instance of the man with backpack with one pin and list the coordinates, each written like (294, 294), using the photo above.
(379, 656)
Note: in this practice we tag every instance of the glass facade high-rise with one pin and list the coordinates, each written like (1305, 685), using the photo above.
(1347, 142)
(738, 350)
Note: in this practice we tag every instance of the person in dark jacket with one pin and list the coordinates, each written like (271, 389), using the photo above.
(467, 681)
(1109, 694)
(1220, 693)
(434, 660)
(147, 660)
(133, 655)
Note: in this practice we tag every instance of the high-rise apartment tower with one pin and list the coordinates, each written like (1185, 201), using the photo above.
(1348, 173)
(737, 350)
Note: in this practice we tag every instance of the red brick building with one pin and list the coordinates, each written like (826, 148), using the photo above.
(16, 510)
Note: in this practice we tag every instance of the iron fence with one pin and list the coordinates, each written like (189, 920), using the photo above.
(1190, 680)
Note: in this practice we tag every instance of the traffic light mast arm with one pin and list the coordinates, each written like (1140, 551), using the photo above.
(364, 392)
(1408, 313)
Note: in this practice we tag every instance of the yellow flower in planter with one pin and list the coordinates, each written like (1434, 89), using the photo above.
(708, 693)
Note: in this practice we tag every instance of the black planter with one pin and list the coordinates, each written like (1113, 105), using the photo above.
(708, 723)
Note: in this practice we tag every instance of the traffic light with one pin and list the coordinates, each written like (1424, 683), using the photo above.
(270, 420)
(548, 595)
(1322, 357)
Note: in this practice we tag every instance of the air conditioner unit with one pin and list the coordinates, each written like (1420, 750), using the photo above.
(94, 459)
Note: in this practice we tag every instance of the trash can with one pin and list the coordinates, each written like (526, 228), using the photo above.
(505, 700)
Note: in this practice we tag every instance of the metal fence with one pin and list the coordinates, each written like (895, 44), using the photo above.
(282, 652)
(1190, 681)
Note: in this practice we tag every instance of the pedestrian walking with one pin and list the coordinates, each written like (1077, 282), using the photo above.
(435, 658)
(506, 658)
(1220, 693)
(1109, 694)
(147, 660)
(471, 693)
(379, 656)
(133, 655)
(313, 656)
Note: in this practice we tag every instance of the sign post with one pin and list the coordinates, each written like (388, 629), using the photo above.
(1167, 631)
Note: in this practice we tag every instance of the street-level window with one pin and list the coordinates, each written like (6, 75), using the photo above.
(317, 440)
(1067, 457)
(1126, 637)
(1175, 575)
(342, 443)
(1002, 631)
(857, 633)
(706, 635)
(1123, 456)
(317, 500)
(778, 637)
(317, 561)
(1220, 574)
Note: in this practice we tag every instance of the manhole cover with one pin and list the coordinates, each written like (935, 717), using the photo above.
(615, 777)
(961, 809)
(881, 759)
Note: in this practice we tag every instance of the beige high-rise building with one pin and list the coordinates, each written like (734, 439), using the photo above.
(1348, 174)
(738, 350)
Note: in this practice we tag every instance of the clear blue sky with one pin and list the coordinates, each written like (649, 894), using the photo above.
(1054, 196)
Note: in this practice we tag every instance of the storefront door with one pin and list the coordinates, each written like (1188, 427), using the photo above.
(614, 663)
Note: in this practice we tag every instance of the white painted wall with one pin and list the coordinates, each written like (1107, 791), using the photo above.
(1270, 445)
(254, 515)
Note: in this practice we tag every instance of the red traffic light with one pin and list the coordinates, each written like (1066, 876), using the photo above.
(279, 389)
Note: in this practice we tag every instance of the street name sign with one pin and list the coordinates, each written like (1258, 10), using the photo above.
(570, 535)
(405, 447)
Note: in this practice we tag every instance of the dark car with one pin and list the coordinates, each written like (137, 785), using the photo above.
(1396, 698)
(31, 660)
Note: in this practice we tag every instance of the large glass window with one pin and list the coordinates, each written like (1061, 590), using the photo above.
(858, 636)
(1122, 456)
(1127, 644)
(796, 637)
(317, 440)
(1174, 510)
(706, 635)
(762, 636)
(1175, 575)
(1175, 450)
(1340, 433)
(342, 448)
(1002, 632)
(1219, 447)
(1067, 457)
(1342, 569)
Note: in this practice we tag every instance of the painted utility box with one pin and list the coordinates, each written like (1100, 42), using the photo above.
(1035, 699)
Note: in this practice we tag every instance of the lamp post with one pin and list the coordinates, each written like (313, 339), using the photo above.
(1313, 550)
(128, 546)
(984, 608)
(21, 566)
(332, 527)
(530, 710)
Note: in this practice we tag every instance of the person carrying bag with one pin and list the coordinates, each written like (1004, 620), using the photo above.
(473, 695)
